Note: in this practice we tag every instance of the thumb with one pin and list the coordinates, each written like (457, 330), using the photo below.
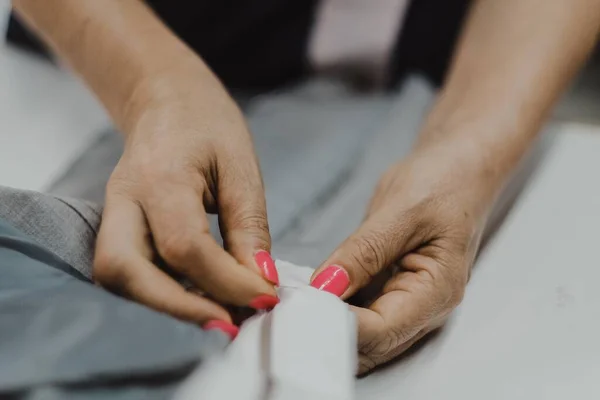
(243, 222)
(376, 244)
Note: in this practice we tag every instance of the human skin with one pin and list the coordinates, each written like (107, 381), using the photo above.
(423, 227)
(188, 152)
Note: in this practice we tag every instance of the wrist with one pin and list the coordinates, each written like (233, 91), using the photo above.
(490, 142)
(475, 170)
(172, 90)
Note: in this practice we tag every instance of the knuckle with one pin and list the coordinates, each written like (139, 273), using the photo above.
(367, 346)
(400, 335)
(388, 342)
(393, 343)
(176, 249)
(118, 184)
(366, 363)
(385, 347)
(253, 221)
(461, 241)
(447, 278)
(145, 173)
(110, 269)
(456, 296)
(451, 288)
(369, 254)
(254, 225)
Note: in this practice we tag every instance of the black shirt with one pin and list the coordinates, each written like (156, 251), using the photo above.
(263, 44)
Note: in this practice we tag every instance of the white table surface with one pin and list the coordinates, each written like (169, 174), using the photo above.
(529, 325)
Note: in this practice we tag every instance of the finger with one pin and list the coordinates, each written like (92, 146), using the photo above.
(381, 336)
(380, 241)
(182, 237)
(122, 265)
(412, 301)
(243, 218)
(366, 362)
(151, 286)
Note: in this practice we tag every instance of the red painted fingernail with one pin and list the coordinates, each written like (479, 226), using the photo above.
(224, 326)
(267, 266)
(333, 279)
(264, 302)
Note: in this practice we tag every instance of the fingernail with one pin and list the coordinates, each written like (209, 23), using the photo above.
(333, 279)
(267, 266)
(224, 326)
(264, 302)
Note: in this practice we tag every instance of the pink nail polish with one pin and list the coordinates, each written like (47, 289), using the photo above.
(267, 266)
(264, 302)
(333, 279)
(224, 326)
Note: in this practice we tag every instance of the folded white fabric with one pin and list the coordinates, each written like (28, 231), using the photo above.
(304, 349)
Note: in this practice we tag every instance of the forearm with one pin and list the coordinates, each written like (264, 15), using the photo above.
(119, 47)
(514, 59)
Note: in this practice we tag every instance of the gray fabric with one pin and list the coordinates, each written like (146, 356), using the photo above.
(308, 141)
(67, 227)
(60, 334)
(322, 228)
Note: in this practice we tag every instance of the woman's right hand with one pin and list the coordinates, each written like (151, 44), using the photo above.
(188, 153)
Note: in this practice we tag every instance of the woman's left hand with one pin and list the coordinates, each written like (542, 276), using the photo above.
(408, 264)
(428, 213)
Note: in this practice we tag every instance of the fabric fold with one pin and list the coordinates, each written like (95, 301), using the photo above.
(304, 349)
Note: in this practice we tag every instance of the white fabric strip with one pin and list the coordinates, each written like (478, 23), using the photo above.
(357, 35)
(304, 349)
(312, 345)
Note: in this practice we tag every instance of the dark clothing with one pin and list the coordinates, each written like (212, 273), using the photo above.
(262, 45)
